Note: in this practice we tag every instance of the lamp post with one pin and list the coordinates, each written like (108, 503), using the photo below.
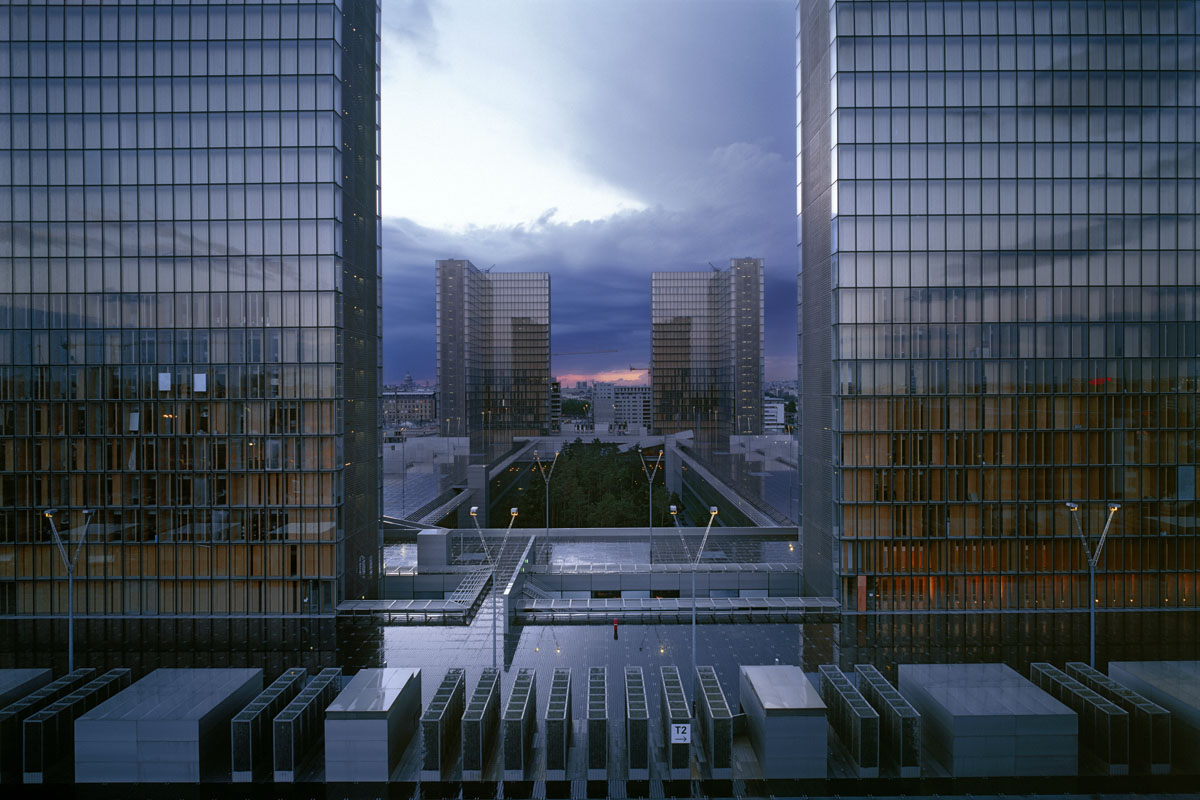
(69, 563)
(650, 510)
(712, 514)
(546, 476)
(1093, 557)
(404, 474)
(491, 558)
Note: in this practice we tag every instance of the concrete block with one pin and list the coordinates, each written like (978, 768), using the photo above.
(986, 720)
(172, 725)
(784, 715)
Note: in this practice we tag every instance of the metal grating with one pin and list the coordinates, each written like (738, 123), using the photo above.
(471, 586)
(853, 718)
(49, 734)
(520, 724)
(1149, 723)
(558, 723)
(301, 724)
(715, 722)
(1103, 725)
(250, 729)
(900, 723)
(637, 724)
(674, 711)
(442, 720)
(15, 713)
(597, 722)
(480, 724)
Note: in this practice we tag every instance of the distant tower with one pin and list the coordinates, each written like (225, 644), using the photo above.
(493, 353)
(706, 351)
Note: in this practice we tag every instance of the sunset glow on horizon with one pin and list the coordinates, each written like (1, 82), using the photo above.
(638, 377)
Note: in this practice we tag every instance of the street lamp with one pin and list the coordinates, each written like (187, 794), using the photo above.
(404, 474)
(650, 510)
(69, 562)
(712, 514)
(492, 560)
(546, 476)
(1093, 557)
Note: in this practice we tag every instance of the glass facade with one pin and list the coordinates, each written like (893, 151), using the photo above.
(706, 350)
(493, 354)
(746, 352)
(189, 306)
(999, 301)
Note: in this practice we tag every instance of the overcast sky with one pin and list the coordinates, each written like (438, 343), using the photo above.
(597, 140)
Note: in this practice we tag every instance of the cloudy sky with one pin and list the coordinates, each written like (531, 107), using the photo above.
(597, 140)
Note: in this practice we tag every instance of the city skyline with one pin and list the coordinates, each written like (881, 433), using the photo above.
(491, 107)
(234, 559)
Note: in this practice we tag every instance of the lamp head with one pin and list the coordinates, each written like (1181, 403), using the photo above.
(712, 510)
(49, 513)
(674, 510)
(1114, 507)
(513, 511)
(474, 510)
(87, 512)
(1072, 507)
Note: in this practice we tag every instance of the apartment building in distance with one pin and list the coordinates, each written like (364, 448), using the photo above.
(998, 303)
(706, 350)
(408, 405)
(617, 408)
(632, 408)
(604, 406)
(493, 353)
(189, 307)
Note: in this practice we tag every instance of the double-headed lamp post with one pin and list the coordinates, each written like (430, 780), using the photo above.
(712, 514)
(546, 476)
(1093, 558)
(404, 473)
(69, 562)
(494, 562)
(650, 479)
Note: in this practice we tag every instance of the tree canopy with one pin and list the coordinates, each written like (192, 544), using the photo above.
(595, 485)
(575, 408)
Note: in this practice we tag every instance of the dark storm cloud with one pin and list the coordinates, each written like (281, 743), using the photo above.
(600, 271)
(687, 106)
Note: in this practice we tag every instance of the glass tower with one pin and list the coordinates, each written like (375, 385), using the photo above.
(493, 354)
(189, 306)
(706, 352)
(999, 313)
